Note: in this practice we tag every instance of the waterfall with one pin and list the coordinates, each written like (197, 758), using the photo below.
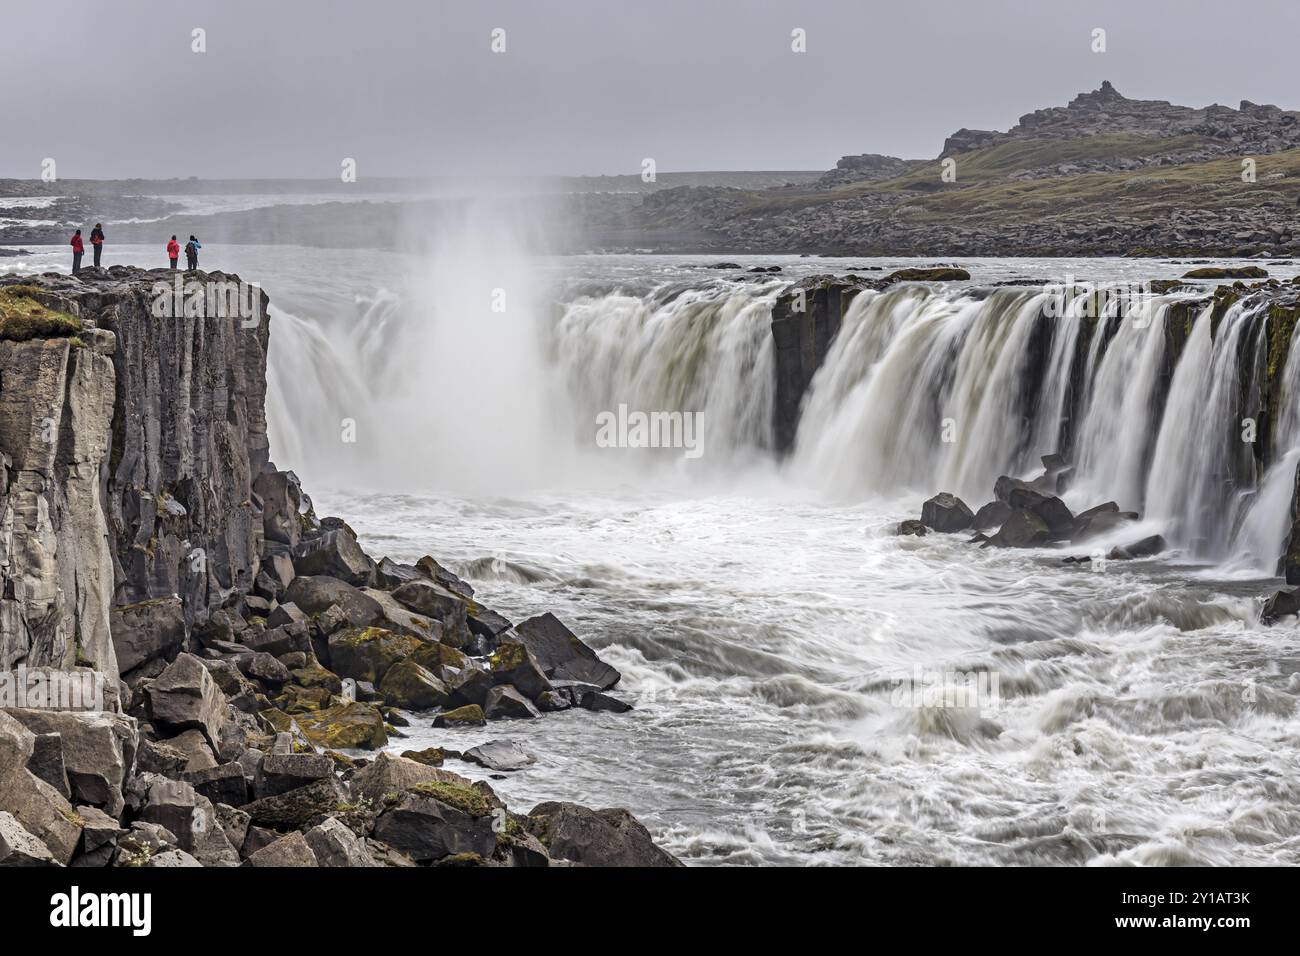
(1111, 452)
(923, 389)
(1190, 486)
(705, 351)
(427, 387)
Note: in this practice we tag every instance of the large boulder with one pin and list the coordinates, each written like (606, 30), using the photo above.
(1282, 604)
(280, 773)
(43, 812)
(435, 820)
(178, 807)
(297, 808)
(333, 844)
(1023, 529)
(222, 784)
(500, 755)
(184, 697)
(1145, 548)
(946, 513)
(1050, 509)
(992, 515)
(1003, 487)
(366, 653)
(98, 750)
(513, 663)
(282, 500)
(389, 774)
(351, 726)
(20, 848)
(437, 602)
(147, 631)
(505, 703)
(335, 553)
(595, 837)
(398, 617)
(16, 746)
(471, 715)
(291, 850)
(410, 686)
(561, 654)
(315, 594)
(1100, 520)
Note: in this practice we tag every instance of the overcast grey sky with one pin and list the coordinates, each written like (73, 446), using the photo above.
(411, 87)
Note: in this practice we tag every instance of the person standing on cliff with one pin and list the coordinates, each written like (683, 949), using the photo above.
(78, 248)
(192, 253)
(173, 251)
(97, 240)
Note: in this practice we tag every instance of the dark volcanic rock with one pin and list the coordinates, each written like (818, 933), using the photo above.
(315, 594)
(992, 515)
(1051, 510)
(595, 837)
(1138, 549)
(1023, 529)
(334, 552)
(504, 702)
(435, 820)
(946, 513)
(502, 755)
(1280, 605)
(562, 655)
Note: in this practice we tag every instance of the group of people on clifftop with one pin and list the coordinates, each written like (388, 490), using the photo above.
(192, 248)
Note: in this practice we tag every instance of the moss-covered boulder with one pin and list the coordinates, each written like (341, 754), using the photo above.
(352, 726)
(513, 663)
(1227, 272)
(297, 808)
(471, 715)
(387, 776)
(366, 653)
(313, 675)
(409, 685)
(429, 756)
(301, 700)
(439, 659)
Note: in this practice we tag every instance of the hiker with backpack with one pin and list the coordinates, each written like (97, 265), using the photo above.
(78, 248)
(97, 240)
(192, 253)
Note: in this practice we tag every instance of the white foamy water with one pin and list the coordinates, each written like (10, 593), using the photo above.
(764, 615)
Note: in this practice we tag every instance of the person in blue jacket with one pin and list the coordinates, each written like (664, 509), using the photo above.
(192, 253)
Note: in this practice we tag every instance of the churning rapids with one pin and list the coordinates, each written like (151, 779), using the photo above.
(763, 612)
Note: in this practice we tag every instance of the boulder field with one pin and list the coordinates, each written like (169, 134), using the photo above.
(252, 661)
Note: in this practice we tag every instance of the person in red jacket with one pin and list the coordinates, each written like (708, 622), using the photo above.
(78, 247)
(173, 251)
(97, 240)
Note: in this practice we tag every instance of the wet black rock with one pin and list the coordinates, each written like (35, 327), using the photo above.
(946, 512)
(1144, 548)
(991, 515)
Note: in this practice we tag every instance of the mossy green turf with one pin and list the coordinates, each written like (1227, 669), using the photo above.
(24, 317)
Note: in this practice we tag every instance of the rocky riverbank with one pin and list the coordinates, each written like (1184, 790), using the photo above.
(244, 657)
